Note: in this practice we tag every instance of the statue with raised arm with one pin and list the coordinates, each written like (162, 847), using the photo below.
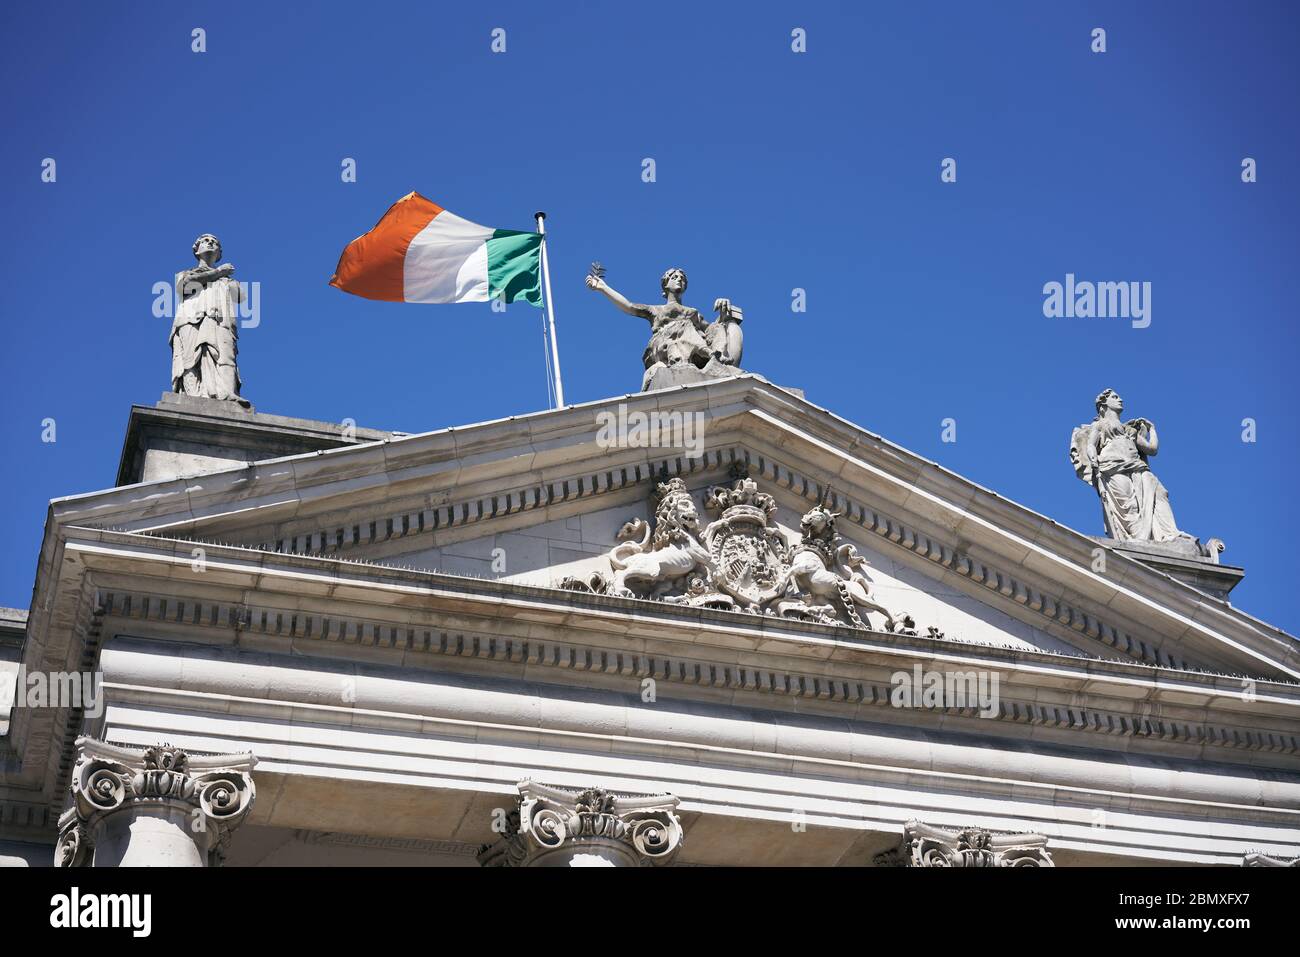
(680, 339)
(205, 331)
(1111, 456)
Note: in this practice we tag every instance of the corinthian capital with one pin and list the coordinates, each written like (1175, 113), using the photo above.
(554, 827)
(928, 846)
(192, 804)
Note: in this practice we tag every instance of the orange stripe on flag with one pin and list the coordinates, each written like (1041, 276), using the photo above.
(372, 265)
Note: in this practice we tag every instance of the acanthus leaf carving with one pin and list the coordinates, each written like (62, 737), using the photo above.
(927, 846)
(553, 825)
(1257, 859)
(109, 780)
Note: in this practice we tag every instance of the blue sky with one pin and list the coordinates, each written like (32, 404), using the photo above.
(775, 170)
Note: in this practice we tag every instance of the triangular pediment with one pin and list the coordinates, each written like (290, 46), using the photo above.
(541, 500)
(580, 551)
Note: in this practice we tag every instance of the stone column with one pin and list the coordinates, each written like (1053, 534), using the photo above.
(593, 828)
(927, 846)
(159, 807)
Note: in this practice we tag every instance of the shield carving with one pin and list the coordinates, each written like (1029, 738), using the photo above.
(748, 551)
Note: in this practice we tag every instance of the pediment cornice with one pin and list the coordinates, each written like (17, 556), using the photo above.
(146, 586)
(461, 482)
(331, 599)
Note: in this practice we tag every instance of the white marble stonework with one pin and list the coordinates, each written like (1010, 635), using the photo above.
(155, 807)
(419, 647)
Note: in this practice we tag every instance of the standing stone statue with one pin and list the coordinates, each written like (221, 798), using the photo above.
(683, 347)
(1111, 456)
(205, 332)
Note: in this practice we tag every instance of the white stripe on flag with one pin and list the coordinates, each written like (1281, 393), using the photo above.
(472, 280)
(447, 262)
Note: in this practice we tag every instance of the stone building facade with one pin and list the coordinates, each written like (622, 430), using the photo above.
(516, 643)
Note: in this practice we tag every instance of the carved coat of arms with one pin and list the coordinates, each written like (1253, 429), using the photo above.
(748, 552)
(741, 561)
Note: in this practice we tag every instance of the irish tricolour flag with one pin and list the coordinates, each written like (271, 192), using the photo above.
(419, 252)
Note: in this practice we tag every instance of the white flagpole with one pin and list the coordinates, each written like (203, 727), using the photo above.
(550, 310)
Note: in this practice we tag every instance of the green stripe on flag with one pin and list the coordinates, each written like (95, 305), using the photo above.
(515, 266)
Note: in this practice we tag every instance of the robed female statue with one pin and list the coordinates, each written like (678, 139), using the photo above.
(1111, 456)
(679, 335)
(205, 330)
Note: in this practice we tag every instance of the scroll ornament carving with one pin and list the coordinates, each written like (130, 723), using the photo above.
(928, 846)
(640, 831)
(741, 560)
(1256, 859)
(109, 780)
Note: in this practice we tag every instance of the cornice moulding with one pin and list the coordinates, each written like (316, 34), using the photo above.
(1015, 542)
(376, 591)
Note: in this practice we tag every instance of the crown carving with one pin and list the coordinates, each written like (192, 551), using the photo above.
(744, 500)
